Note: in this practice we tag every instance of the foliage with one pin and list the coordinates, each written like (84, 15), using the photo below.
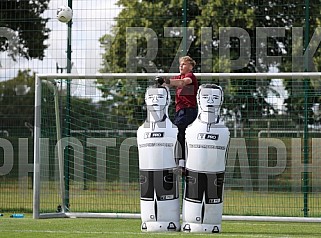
(294, 45)
(17, 100)
(17, 106)
(25, 18)
(242, 97)
(158, 15)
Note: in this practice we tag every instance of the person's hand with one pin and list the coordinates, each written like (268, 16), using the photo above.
(159, 80)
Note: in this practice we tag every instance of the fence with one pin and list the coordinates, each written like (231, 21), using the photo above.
(274, 117)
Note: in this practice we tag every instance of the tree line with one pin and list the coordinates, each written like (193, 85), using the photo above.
(244, 99)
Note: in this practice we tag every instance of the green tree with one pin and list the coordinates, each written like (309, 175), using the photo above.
(298, 89)
(25, 18)
(127, 99)
(160, 14)
(17, 107)
(243, 97)
(17, 101)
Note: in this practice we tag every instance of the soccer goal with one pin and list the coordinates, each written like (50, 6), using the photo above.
(86, 158)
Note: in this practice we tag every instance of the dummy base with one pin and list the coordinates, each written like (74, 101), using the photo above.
(160, 226)
(201, 228)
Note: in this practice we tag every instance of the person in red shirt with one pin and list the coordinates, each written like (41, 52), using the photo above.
(186, 86)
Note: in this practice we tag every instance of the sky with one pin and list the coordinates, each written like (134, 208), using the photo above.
(91, 20)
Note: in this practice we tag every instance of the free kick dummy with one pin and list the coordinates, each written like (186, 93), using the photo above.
(207, 142)
(156, 139)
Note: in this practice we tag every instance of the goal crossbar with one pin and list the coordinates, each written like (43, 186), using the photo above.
(285, 75)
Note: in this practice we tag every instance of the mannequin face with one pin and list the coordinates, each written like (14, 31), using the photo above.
(210, 100)
(156, 99)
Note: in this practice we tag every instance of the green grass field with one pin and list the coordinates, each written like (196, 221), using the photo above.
(81, 227)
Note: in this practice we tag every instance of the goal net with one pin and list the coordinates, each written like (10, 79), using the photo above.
(86, 157)
(85, 148)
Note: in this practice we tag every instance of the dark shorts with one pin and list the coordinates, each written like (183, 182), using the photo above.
(199, 184)
(185, 116)
(162, 182)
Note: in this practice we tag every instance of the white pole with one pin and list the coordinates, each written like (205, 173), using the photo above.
(37, 129)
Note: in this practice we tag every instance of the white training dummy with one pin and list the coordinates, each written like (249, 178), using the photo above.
(207, 142)
(156, 139)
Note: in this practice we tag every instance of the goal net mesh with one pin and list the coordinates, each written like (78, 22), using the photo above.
(272, 165)
(92, 136)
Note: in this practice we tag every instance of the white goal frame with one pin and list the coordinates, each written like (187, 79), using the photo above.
(37, 129)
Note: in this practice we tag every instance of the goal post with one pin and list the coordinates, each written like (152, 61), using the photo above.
(52, 86)
(95, 166)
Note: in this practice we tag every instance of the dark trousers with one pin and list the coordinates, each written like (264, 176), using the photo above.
(182, 119)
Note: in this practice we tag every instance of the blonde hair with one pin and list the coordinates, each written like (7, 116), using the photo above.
(187, 59)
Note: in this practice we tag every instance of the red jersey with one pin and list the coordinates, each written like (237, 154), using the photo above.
(186, 97)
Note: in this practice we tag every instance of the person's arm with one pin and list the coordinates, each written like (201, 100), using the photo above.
(178, 82)
(173, 82)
